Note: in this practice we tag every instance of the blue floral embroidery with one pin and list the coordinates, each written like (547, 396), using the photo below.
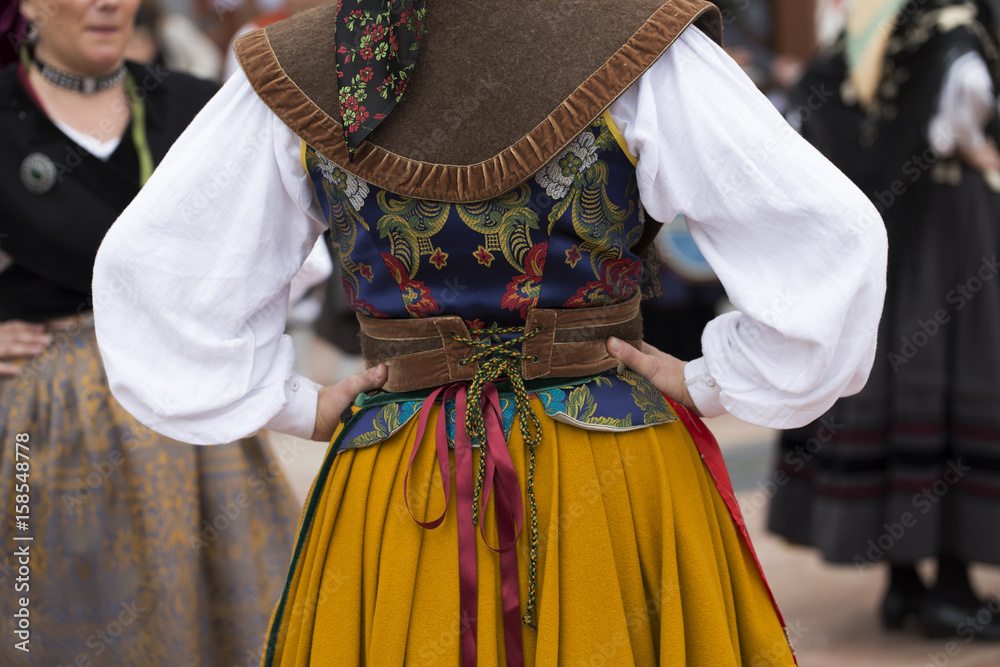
(606, 403)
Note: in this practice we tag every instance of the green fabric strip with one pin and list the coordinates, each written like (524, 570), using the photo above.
(139, 130)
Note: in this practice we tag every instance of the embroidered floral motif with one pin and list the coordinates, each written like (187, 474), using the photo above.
(558, 176)
(593, 293)
(600, 223)
(648, 399)
(411, 228)
(573, 256)
(359, 305)
(484, 256)
(580, 403)
(349, 186)
(581, 407)
(345, 196)
(506, 221)
(417, 298)
(522, 292)
(619, 280)
(439, 258)
(553, 400)
(409, 224)
(385, 421)
(602, 403)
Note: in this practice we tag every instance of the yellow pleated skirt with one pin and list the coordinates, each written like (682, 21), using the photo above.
(639, 561)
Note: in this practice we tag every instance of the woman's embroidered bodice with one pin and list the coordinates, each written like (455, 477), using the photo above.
(561, 239)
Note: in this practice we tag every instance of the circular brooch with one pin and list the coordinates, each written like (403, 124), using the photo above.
(38, 173)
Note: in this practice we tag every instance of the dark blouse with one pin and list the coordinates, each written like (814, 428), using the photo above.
(52, 237)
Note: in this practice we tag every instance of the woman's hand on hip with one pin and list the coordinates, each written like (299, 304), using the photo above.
(663, 370)
(336, 398)
(20, 339)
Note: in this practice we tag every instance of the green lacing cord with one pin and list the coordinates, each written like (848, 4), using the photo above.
(496, 361)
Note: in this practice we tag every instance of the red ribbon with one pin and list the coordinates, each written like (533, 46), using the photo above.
(500, 472)
(510, 519)
(442, 452)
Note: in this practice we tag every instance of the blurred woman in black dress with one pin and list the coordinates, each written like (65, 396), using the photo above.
(904, 103)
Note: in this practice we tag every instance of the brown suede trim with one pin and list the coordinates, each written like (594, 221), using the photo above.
(423, 353)
(541, 346)
(511, 133)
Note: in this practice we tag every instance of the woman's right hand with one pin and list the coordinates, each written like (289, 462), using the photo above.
(335, 399)
(20, 339)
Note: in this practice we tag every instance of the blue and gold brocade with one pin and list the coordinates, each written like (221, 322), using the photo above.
(561, 239)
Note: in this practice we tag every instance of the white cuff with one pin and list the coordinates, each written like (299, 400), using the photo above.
(704, 390)
(298, 417)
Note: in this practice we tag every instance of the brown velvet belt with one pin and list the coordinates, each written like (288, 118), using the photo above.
(426, 352)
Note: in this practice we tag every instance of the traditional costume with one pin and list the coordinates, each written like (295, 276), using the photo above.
(489, 233)
(143, 550)
(910, 467)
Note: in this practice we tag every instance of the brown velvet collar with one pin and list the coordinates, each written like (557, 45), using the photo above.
(500, 87)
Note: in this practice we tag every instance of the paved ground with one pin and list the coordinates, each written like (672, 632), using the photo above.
(830, 611)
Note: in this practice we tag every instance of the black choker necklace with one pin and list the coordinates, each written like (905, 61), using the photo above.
(88, 85)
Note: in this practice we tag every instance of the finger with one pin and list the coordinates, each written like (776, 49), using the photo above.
(18, 327)
(640, 362)
(335, 400)
(366, 381)
(31, 338)
(16, 349)
(653, 351)
(647, 348)
(9, 369)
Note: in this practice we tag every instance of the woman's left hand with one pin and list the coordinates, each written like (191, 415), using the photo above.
(666, 372)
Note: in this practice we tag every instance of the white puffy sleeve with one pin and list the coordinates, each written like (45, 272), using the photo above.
(965, 107)
(191, 284)
(800, 250)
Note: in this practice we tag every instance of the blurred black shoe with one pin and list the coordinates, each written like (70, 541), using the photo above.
(942, 619)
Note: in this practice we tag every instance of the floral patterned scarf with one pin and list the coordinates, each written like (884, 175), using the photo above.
(377, 46)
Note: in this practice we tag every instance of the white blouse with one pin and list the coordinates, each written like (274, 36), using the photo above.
(966, 105)
(191, 283)
(102, 150)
